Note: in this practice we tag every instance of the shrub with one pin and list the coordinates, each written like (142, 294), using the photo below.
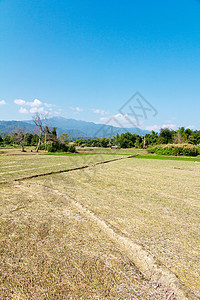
(185, 150)
(42, 147)
(61, 147)
(72, 149)
(51, 148)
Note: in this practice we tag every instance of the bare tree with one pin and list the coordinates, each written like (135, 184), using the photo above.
(46, 135)
(19, 138)
(40, 122)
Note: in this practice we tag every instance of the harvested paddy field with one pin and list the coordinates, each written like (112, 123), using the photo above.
(49, 250)
(153, 202)
(16, 166)
(73, 235)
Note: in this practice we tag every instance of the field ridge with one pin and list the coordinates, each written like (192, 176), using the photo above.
(67, 170)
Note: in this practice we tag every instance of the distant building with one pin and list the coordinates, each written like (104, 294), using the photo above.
(114, 147)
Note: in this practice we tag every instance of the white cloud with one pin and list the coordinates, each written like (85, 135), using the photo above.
(191, 127)
(157, 127)
(49, 105)
(153, 127)
(20, 102)
(34, 110)
(2, 102)
(100, 111)
(170, 126)
(35, 106)
(76, 109)
(34, 103)
(119, 120)
(23, 110)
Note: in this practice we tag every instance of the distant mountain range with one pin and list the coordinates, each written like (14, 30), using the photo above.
(74, 128)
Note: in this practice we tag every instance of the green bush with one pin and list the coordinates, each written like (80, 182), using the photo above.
(42, 147)
(63, 147)
(60, 147)
(175, 150)
(51, 148)
(72, 149)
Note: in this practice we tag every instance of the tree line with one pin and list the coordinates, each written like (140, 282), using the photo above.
(48, 140)
(128, 140)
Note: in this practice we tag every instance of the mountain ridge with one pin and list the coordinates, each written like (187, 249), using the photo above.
(74, 128)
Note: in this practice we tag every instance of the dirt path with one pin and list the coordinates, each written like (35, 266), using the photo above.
(146, 262)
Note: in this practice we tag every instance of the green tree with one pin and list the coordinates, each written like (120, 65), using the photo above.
(63, 138)
(8, 140)
(28, 139)
(54, 131)
(139, 142)
(78, 142)
(165, 136)
(104, 142)
(181, 137)
(151, 139)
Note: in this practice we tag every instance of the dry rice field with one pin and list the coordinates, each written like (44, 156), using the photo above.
(89, 234)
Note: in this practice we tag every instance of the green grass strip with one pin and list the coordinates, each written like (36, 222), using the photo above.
(162, 157)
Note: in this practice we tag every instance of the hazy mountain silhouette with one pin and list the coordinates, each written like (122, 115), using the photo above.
(74, 128)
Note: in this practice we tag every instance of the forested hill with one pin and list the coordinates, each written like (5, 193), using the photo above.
(74, 128)
(7, 127)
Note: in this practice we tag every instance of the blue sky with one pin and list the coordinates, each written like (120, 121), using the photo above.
(84, 59)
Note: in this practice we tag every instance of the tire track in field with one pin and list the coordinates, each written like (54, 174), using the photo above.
(144, 260)
(66, 170)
